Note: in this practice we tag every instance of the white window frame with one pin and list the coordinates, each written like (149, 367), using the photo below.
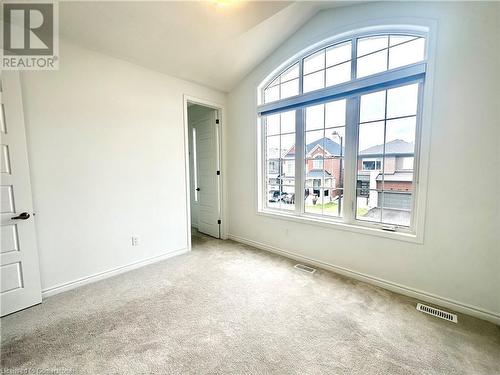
(421, 73)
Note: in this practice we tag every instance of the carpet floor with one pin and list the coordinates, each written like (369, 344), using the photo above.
(226, 308)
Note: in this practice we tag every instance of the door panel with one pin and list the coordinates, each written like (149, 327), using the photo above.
(19, 269)
(207, 166)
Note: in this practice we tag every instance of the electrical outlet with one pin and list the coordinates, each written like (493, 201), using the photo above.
(135, 240)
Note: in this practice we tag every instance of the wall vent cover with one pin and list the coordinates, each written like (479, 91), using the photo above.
(305, 268)
(436, 312)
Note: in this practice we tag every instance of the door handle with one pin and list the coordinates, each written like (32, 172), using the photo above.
(22, 216)
(197, 189)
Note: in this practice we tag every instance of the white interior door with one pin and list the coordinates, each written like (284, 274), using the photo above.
(207, 161)
(20, 275)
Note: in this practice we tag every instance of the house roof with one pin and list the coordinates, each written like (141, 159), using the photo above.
(396, 147)
(330, 147)
(317, 173)
(396, 177)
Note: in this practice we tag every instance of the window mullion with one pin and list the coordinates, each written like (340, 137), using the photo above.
(350, 161)
(299, 161)
(354, 59)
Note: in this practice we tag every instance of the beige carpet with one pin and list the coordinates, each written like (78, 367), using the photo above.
(225, 308)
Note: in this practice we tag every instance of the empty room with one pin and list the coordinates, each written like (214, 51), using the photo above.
(250, 187)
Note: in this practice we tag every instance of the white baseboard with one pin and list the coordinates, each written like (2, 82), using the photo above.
(109, 273)
(394, 287)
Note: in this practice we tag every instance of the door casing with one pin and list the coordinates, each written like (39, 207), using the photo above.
(220, 142)
(20, 268)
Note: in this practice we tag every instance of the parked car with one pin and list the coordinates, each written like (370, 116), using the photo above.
(289, 198)
(274, 196)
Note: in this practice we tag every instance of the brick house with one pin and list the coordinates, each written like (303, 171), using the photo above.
(393, 174)
(323, 169)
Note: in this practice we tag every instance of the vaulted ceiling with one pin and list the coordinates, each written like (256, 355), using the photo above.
(214, 43)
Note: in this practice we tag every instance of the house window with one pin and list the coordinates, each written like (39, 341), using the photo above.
(371, 165)
(354, 111)
(317, 164)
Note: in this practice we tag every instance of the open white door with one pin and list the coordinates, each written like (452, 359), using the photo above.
(20, 275)
(207, 161)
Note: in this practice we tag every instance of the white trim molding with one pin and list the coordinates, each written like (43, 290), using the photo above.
(421, 295)
(108, 273)
(221, 159)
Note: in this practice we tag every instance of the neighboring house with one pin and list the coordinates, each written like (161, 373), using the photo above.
(392, 173)
(323, 169)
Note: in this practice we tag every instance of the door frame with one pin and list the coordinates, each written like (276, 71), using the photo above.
(220, 150)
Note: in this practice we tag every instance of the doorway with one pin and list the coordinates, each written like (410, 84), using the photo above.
(203, 128)
(20, 275)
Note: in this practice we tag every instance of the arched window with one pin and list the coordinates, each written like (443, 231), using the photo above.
(341, 124)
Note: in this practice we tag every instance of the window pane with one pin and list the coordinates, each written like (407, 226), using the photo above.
(275, 82)
(287, 201)
(398, 39)
(272, 124)
(372, 107)
(407, 53)
(402, 101)
(314, 143)
(368, 206)
(290, 88)
(396, 208)
(288, 122)
(273, 147)
(314, 81)
(280, 161)
(287, 142)
(386, 157)
(315, 117)
(291, 73)
(334, 142)
(313, 200)
(335, 113)
(273, 196)
(371, 64)
(371, 139)
(399, 151)
(271, 94)
(338, 74)
(273, 168)
(338, 54)
(403, 131)
(333, 203)
(289, 168)
(371, 44)
(314, 62)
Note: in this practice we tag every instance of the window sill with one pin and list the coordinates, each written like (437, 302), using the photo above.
(400, 236)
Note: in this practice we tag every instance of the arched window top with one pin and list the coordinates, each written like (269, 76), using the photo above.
(355, 57)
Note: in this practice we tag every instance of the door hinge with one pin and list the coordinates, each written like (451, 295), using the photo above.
(219, 221)
(217, 121)
(218, 173)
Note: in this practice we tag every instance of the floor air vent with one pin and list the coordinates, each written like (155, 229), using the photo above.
(305, 268)
(436, 312)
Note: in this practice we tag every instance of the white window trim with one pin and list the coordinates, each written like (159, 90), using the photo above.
(421, 27)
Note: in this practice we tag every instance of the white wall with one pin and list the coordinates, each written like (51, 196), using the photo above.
(459, 262)
(106, 149)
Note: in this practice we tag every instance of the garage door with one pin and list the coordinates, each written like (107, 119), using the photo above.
(400, 201)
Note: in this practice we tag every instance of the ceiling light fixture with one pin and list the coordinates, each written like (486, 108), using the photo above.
(223, 3)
